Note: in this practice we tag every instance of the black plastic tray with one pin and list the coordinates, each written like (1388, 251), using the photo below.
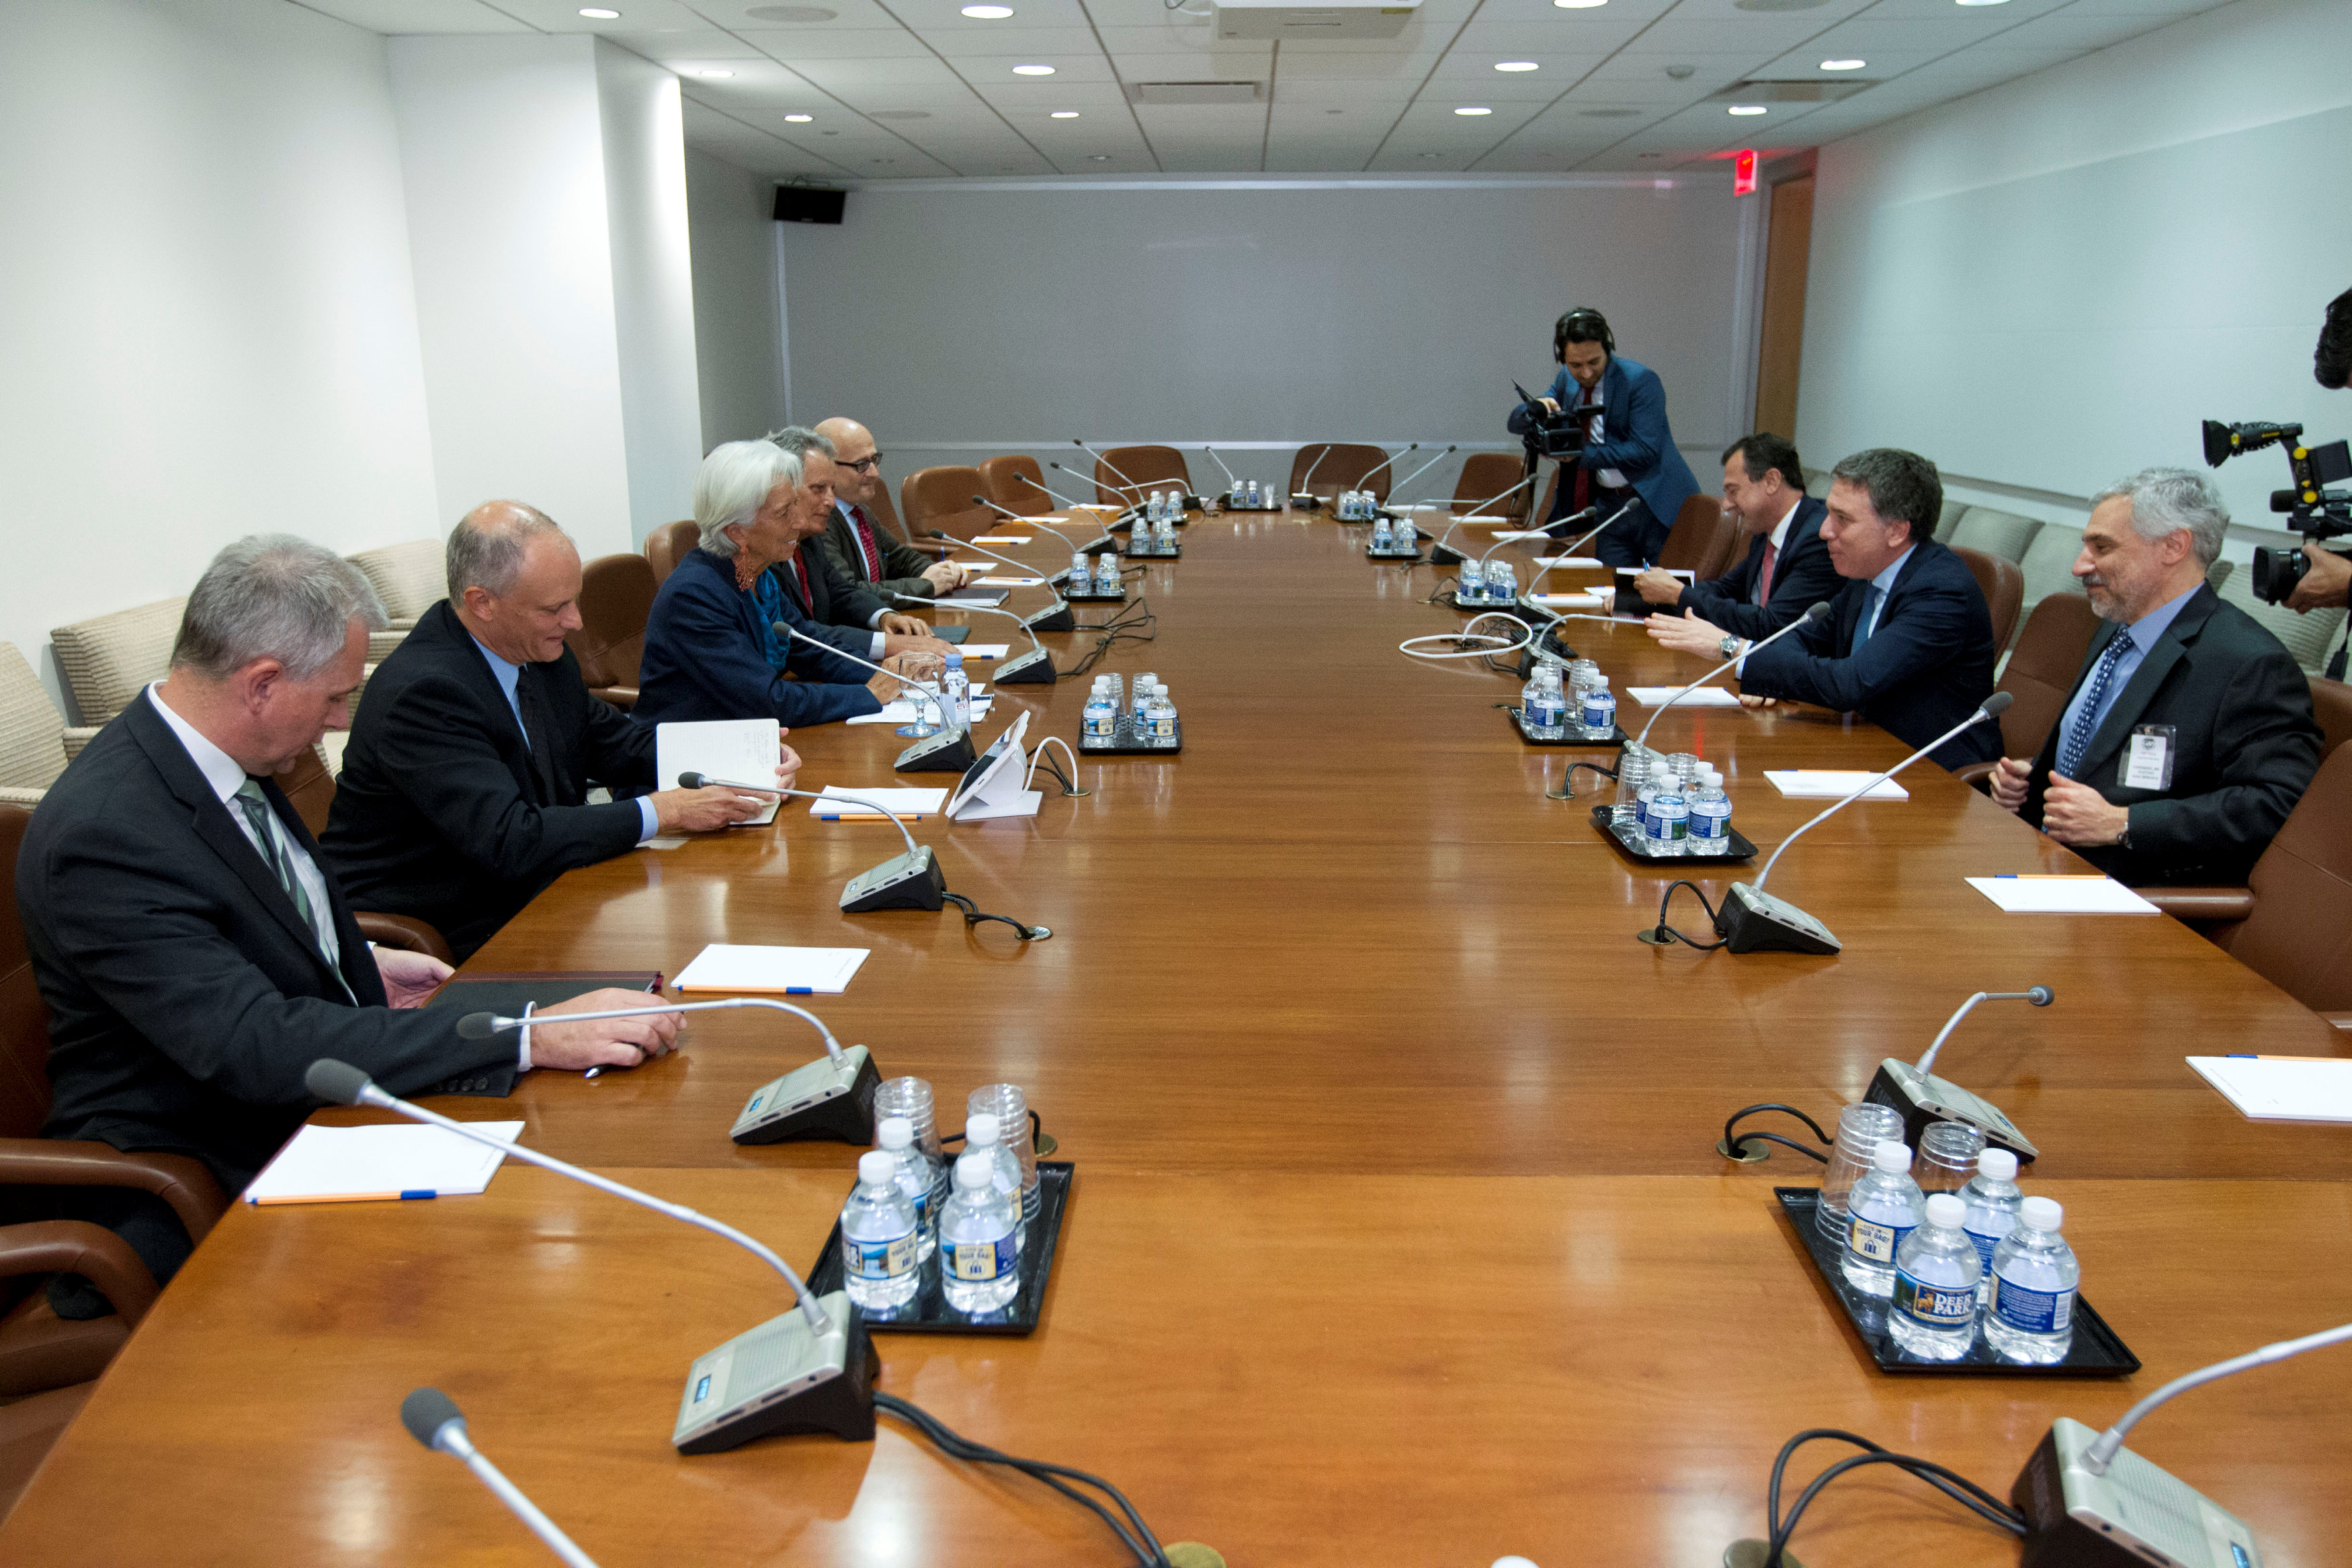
(1514, 608)
(1127, 743)
(1173, 552)
(1237, 506)
(1075, 596)
(929, 1313)
(1413, 554)
(1613, 741)
(2097, 1350)
(1634, 842)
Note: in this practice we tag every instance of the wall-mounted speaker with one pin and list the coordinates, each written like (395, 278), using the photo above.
(801, 205)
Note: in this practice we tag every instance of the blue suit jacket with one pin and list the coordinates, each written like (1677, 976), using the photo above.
(1802, 578)
(707, 657)
(1635, 439)
(1924, 669)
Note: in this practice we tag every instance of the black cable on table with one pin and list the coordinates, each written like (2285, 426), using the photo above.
(1736, 1144)
(1133, 1533)
(973, 916)
(1665, 930)
(1949, 1482)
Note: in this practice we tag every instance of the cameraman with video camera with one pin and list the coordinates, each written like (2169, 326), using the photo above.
(2327, 582)
(1616, 451)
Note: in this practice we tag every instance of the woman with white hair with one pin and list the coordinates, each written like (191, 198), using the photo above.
(711, 648)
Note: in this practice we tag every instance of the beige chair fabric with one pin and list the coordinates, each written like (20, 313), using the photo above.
(108, 660)
(2310, 638)
(32, 733)
(1997, 533)
(408, 578)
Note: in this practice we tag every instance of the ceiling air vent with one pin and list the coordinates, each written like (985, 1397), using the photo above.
(1194, 91)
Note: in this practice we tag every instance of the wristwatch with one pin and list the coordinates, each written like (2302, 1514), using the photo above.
(1730, 647)
(2123, 840)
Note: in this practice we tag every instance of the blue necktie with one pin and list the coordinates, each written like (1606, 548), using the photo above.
(2086, 717)
(1869, 621)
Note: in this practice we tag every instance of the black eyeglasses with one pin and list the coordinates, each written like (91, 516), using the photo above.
(863, 464)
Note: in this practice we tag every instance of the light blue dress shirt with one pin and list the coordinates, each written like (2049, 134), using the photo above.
(507, 672)
(2142, 633)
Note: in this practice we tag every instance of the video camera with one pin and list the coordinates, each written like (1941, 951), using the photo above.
(1555, 436)
(2315, 511)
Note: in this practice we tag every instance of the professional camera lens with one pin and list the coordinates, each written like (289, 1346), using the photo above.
(2276, 571)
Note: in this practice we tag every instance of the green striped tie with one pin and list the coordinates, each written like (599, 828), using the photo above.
(270, 834)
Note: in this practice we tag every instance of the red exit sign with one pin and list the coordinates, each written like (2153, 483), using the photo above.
(1743, 172)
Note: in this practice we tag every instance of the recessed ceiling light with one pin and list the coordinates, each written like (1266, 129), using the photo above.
(1515, 65)
(1748, 108)
(1467, 109)
(989, 13)
(714, 75)
(598, 13)
(1844, 65)
(1579, 5)
(1098, 156)
(1983, 2)
(793, 13)
(1033, 70)
(800, 118)
(1064, 114)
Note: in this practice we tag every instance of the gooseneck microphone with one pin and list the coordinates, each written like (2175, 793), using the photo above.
(1096, 547)
(1034, 667)
(911, 881)
(1912, 1091)
(811, 1370)
(1126, 510)
(1231, 478)
(1364, 480)
(947, 751)
(433, 1419)
(1442, 554)
(1450, 447)
(1028, 523)
(1303, 496)
(1812, 614)
(1056, 617)
(2089, 1501)
(1546, 529)
(1752, 920)
(1124, 480)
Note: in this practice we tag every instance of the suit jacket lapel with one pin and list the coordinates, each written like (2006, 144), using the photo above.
(2146, 682)
(486, 691)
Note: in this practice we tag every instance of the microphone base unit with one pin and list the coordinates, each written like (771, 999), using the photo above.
(1754, 922)
(903, 882)
(1445, 555)
(1085, 596)
(1033, 668)
(1052, 618)
(824, 1099)
(948, 751)
(1549, 649)
(781, 1377)
(1611, 739)
(1922, 1099)
(2136, 1513)
(1129, 739)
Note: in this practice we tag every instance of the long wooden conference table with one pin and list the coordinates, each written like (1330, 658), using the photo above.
(1398, 1235)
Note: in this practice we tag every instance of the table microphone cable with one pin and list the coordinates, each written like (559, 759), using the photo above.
(1736, 1147)
(1132, 1533)
(1666, 933)
(1949, 1482)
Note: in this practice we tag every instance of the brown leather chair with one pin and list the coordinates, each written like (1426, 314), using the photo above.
(2292, 924)
(880, 511)
(1145, 469)
(309, 788)
(941, 498)
(1488, 474)
(2331, 703)
(2039, 675)
(616, 595)
(668, 545)
(1018, 485)
(1341, 466)
(1696, 539)
(2004, 586)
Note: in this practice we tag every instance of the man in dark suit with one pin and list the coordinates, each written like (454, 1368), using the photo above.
(1630, 469)
(463, 786)
(824, 590)
(1908, 645)
(857, 547)
(195, 952)
(1787, 570)
(2189, 735)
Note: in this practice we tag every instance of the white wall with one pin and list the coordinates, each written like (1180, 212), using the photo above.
(2049, 284)
(987, 316)
(738, 331)
(206, 321)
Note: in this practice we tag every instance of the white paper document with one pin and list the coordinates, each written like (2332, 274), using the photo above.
(903, 712)
(1669, 571)
(984, 650)
(1570, 562)
(1506, 538)
(971, 601)
(1820, 784)
(1704, 696)
(1003, 538)
(905, 802)
(343, 1165)
(1016, 582)
(2062, 895)
(2282, 1088)
(1582, 598)
(781, 971)
(741, 750)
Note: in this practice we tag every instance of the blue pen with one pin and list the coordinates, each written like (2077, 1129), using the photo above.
(418, 1192)
(800, 990)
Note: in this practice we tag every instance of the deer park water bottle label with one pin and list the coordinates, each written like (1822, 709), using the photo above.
(878, 1260)
(1943, 1307)
(1877, 1242)
(983, 1260)
(2032, 1312)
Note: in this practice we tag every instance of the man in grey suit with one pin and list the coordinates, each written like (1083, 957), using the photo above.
(2189, 735)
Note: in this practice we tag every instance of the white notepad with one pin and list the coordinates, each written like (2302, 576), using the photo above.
(1669, 571)
(1002, 539)
(984, 650)
(782, 971)
(2282, 1088)
(1506, 538)
(741, 750)
(350, 1164)
(1016, 582)
(1818, 784)
(1706, 696)
(903, 712)
(1570, 562)
(2062, 895)
(1586, 598)
(905, 802)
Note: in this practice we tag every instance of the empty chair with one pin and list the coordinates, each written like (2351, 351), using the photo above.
(668, 545)
(616, 595)
(109, 659)
(1016, 484)
(2004, 586)
(33, 750)
(1489, 473)
(941, 498)
(2039, 675)
(1128, 474)
(1695, 539)
(1342, 466)
(409, 577)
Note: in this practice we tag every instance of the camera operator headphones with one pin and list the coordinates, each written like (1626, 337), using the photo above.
(1588, 323)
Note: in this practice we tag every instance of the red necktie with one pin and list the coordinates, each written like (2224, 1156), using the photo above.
(1764, 577)
(872, 552)
(1581, 496)
(800, 581)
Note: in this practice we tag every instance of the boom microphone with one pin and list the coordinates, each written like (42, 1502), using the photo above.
(911, 881)
(1306, 499)
(1442, 554)
(1058, 617)
(1034, 667)
(1417, 473)
(1124, 512)
(433, 1419)
(1230, 477)
(948, 751)
(1807, 619)
(1026, 523)
(1364, 480)
(1124, 481)
(811, 1370)
(1914, 1092)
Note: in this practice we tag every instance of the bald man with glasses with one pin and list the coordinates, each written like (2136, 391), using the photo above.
(858, 546)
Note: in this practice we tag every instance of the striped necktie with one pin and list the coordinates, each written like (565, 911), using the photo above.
(279, 853)
(867, 548)
(2086, 717)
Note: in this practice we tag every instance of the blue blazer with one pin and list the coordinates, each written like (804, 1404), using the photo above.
(1924, 669)
(1636, 441)
(1802, 578)
(707, 657)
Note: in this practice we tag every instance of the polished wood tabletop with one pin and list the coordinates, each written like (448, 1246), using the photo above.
(1398, 1235)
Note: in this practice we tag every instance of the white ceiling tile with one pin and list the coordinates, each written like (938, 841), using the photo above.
(930, 16)
(1046, 45)
(2080, 30)
(1559, 72)
(736, 15)
(1405, 68)
(2142, 8)
(1759, 37)
(839, 43)
(394, 18)
(1709, 71)
(847, 75)
(1985, 19)
(1017, 95)
(1323, 94)
(1805, 65)
(1614, 13)
(996, 70)
(753, 81)
(669, 49)
(1493, 86)
(636, 16)
(1937, 35)
(1182, 41)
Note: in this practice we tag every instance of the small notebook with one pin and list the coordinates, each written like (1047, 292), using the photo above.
(780, 971)
(359, 1164)
(1704, 696)
(742, 750)
(1817, 784)
(1570, 562)
(2282, 1088)
(1001, 539)
(2062, 895)
(969, 598)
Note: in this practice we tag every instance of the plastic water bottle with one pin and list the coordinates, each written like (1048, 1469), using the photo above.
(1710, 821)
(980, 1239)
(1252, 492)
(1101, 718)
(1936, 1276)
(1666, 822)
(1598, 712)
(877, 1237)
(1381, 537)
(1992, 1201)
(957, 687)
(1168, 527)
(984, 1135)
(1107, 573)
(2034, 1276)
(1543, 707)
(1470, 584)
(1632, 773)
(1160, 717)
(1140, 693)
(918, 1178)
(1081, 569)
(1502, 583)
(1885, 1207)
